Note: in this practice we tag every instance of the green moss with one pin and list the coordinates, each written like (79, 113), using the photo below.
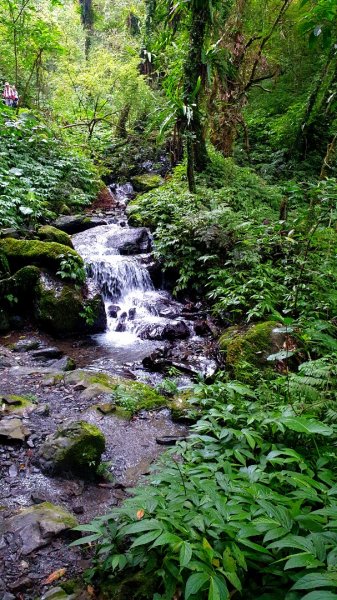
(55, 514)
(34, 252)
(59, 312)
(52, 234)
(16, 403)
(247, 350)
(76, 448)
(146, 182)
(129, 396)
(4, 265)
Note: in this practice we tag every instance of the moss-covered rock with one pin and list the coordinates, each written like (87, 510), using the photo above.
(4, 320)
(4, 265)
(247, 350)
(20, 253)
(75, 448)
(146, 182)
(52, 234)
(63, 310)
(181, 408)
(128, 396)
(12, 403)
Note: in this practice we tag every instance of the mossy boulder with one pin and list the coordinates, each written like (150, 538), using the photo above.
(20, 253)
(12, 403)
(247, 349)
(36, 526)
(75, 448)
(62, 308)
(52, 234)
(146, 182)
(4, 265)
(128, 396)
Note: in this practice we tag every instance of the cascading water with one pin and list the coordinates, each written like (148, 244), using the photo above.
(115, 256)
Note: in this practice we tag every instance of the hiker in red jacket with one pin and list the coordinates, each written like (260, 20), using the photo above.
(8, 95)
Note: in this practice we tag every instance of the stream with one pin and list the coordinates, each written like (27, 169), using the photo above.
(147, 333)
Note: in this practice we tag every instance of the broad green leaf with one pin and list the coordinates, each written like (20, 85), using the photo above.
(146, 538)
(321, 595)
(194, 583)
(308, 426)
(185, 554)
(316, 580)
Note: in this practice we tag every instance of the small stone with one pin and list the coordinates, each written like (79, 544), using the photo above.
(45, 354)
(13, 429)
(21, 584)
(26, 345)
(106, 408)
(80, 386)
(56, 593)
(78, 510)
(13, 471)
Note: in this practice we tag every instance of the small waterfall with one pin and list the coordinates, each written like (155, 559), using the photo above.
(119, 277)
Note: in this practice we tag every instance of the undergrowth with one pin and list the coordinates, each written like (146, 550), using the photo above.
(39, 176)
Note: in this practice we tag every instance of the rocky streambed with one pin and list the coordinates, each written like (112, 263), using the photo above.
(83, 418)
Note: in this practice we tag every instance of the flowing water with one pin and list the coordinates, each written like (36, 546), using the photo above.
(139, 317)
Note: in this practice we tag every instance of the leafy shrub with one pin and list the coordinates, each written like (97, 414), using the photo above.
(247, 504)
(37, 174)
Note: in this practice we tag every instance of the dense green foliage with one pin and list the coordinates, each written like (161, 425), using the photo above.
(39, 176)
(240, 98)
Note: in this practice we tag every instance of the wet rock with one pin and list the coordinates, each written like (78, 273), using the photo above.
(113, 310)
(169, 331)
(107, 408)
(146, 182)
(121, 325)
(36, 526)
(77, 448)
(5, 362)
(64, 364)
(76, 224)
(95, 390)
(52, 234)
(132, 241)
(22, 253)
(61, 308)
(170, 440)
(201, 327)
(45, 354)
(78, 510)
(22, 583)
(26, 344)
(13, 430)
(132, 314)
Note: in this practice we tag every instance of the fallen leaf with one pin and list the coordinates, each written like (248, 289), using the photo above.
(140, 514)
(54, 576)
(91, 591)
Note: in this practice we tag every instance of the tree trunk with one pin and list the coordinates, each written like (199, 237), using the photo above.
(194, 77)
(87, 18)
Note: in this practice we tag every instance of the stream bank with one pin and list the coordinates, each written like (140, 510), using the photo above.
(147, 333)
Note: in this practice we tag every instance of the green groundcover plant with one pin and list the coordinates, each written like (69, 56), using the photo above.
(247, 507)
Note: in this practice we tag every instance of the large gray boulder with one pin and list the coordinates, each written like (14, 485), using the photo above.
(75, 448)
(36, 526)
(77, 223)
(130, 241)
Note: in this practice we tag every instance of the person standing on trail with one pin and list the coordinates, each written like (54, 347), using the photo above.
(15, 96)
(8, 94)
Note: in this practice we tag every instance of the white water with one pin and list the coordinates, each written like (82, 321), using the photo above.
(124, 282)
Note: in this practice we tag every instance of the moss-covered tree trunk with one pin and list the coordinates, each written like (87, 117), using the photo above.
(87, 18)
(194, 80)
